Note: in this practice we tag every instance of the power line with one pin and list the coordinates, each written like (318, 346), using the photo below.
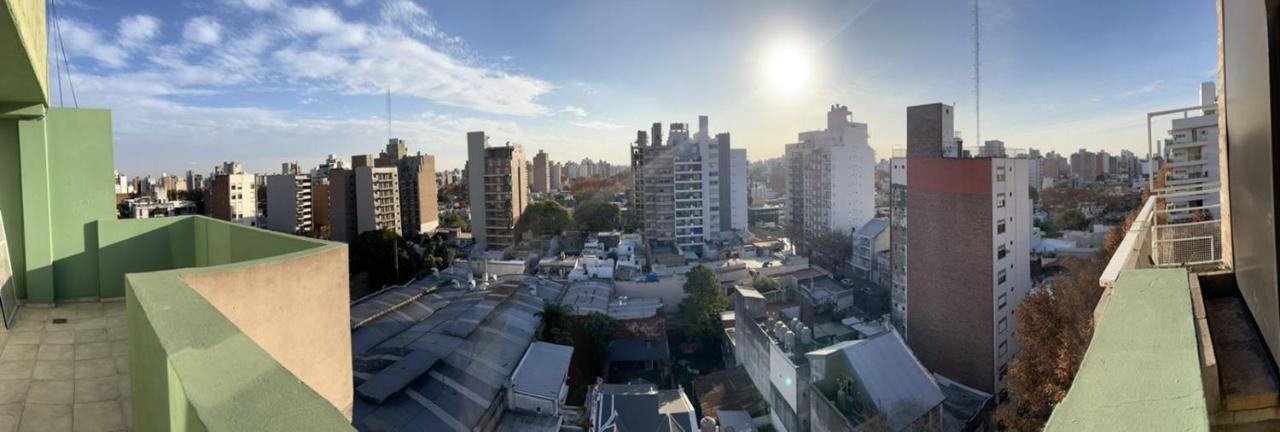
(62, 47)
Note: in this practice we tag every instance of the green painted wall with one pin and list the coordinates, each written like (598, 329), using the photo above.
(36, 227)
(11, 200)
(193, 370)
(142, 245)
(81, 163)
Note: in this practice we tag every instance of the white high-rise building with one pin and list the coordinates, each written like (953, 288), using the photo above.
(690, 189)
(830, 178)
(289, 202)
(1191, 155)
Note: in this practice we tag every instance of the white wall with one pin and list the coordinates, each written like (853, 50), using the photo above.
(739, 176)
(1016, 213)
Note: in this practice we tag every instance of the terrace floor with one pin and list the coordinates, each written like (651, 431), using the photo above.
(66, 368)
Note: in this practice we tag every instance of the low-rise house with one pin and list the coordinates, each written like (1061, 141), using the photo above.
(872, 384)
(538, 385)
(642, 407)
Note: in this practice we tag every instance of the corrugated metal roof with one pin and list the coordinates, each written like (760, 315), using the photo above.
(899, 386)
(543, 370)
(588, 296)
(873, 227)
(479, 336)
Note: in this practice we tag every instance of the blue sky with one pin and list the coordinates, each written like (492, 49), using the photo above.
(192, 83)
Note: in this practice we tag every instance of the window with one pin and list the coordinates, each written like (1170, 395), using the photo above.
(1004, 348)
(1001, 277)
(1000, 228)
(1001, 252)
(1002, 301)
(1004, 371)
(1000, 200)
(1000, 174)
(1004, 324)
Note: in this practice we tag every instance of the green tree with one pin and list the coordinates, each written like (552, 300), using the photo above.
(598, 216)
(385, 256)
(543, 218)
(599, 330)
(555, 325)
(765, 284)
(454, 220)
(1070, 219)
(436, 254)
(703, 303)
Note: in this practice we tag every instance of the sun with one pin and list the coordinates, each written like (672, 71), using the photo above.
(787, 67)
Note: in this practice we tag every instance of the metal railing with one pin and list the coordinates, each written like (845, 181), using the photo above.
(1185, 236)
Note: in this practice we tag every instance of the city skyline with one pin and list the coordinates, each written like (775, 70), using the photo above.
(298, 82)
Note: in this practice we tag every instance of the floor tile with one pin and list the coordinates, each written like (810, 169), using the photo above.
(96, 389)
(95, 368)
(51, 392)
(19, 352)
(9, 416)
(24, 338)
(18, 369)
(93, 351)
(46, 418)
(56, 352)
(13, 391)
(58, 337)
(54, 369)
(99, 417)
(91, 335)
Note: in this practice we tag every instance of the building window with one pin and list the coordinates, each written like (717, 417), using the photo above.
(1001, 252)
(1000, 174)
(1002, 301)
(1004, 324)
(1000, 228)
(1002, 277)
(1004, 348)
(1000, 200)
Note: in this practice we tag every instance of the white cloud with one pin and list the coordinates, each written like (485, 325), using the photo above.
(596, 125)
(202, 30)
(82, 40)
(257, 5)
(1145, 89)
(138, 29)
(573, 110)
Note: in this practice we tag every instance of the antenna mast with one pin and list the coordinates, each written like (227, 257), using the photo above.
(977, 77)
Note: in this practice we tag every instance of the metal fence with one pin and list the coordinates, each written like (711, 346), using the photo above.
(1183, 236)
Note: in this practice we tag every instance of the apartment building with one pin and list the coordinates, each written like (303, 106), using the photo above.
(377, 199)
(1191, 158)
(419, 209)
(540, 175)
(898, 242)
(498, 188)
(831, 179)
(233, 196)
(968, 253)
(555, 175)
(289, 203)
(685, 189)
(1084, 166)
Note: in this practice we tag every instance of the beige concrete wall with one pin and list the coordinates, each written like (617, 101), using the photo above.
(298, 311)
(30, 17)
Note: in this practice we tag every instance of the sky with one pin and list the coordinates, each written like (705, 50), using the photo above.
(193, 83)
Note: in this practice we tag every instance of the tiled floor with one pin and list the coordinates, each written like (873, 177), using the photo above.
(66, 376)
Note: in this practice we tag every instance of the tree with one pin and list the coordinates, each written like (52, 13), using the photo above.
(1070, 219)
(832, 250)
(555, 325)
(765, 284)
(454, 220)
(436, 254)
(543, 218)
(385, 256)
(599, 330)
(703, 303)
(598, 216)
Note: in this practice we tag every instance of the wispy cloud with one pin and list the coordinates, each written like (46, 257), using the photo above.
(138, 29)
(202, 30)
(574, 111)
(1145, 89)
(596, 124)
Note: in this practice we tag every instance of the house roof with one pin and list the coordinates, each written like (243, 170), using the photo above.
(542, 371)
(873, 228)
(897, 384)
(642, 408)
(639, 350)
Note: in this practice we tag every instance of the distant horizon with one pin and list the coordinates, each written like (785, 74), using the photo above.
(269, 81)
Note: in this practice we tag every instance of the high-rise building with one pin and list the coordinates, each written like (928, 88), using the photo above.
(122, 184)
(396, 150)
(1084, 166)
(499, 191)
(342, 205)
(898, 242)
(831, 179)
(684, 189)
(289, 202)
(234, 195)
(555, 173)
(1034, 177)
(1191, 153)
(377, 196)
(540, 173)
(968, 253)
(419, 210)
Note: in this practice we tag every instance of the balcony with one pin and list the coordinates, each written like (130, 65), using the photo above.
(1174, 347)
